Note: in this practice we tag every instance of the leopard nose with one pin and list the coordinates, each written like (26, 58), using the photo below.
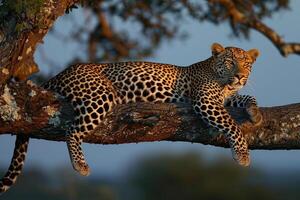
(240, 76)
(242, 79)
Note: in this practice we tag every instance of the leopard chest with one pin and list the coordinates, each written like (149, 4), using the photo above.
(228, 91)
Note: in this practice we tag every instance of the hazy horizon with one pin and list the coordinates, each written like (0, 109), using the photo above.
(271, 89)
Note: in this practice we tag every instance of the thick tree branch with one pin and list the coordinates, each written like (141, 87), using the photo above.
(103, 31)
(144, 122)
(238, 17)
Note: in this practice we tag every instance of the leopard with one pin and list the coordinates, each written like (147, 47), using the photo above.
(209, 85)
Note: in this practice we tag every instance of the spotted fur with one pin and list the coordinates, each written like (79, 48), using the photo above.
(94, 89)
(16, 163)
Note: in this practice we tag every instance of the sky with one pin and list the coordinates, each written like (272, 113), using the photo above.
(274, 81)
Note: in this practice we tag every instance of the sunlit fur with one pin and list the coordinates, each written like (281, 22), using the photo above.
(94, 90)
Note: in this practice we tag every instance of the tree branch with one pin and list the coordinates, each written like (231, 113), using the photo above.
(145, 122)
(238, 17)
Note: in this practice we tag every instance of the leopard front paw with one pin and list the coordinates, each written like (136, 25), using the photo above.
(241, 157)
(255, 114)
(82, 168)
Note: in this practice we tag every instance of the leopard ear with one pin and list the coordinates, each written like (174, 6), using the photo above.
(254, 53)
(216, 49)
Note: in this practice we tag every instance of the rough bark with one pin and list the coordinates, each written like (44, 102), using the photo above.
(17, 45)
(145, 122)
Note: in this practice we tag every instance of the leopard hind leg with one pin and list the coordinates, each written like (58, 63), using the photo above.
(74, 141)
(90, 109)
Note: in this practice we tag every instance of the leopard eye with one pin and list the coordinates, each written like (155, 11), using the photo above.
(247, 65)
(229, 63)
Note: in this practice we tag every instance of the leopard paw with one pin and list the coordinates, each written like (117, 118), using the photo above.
(82, 168)
(255, 114)
(241, 157)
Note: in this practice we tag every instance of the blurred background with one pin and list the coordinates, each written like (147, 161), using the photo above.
(164, 170)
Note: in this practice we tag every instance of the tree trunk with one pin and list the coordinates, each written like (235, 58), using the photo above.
(21, 31)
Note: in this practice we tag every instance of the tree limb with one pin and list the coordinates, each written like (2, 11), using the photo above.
(145, 122)
(238, 17)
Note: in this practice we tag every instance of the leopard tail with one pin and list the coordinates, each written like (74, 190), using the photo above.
(16, 163)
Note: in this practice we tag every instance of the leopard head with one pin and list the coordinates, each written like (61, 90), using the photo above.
(233, 65)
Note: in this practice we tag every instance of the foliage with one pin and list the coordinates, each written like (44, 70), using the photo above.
(157, 21)
(59, 185)
(166, 176)
(216, 13)
(23, 12)
(189, 177)
(27, 7)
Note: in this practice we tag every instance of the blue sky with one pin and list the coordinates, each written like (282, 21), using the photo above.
(274, 81)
